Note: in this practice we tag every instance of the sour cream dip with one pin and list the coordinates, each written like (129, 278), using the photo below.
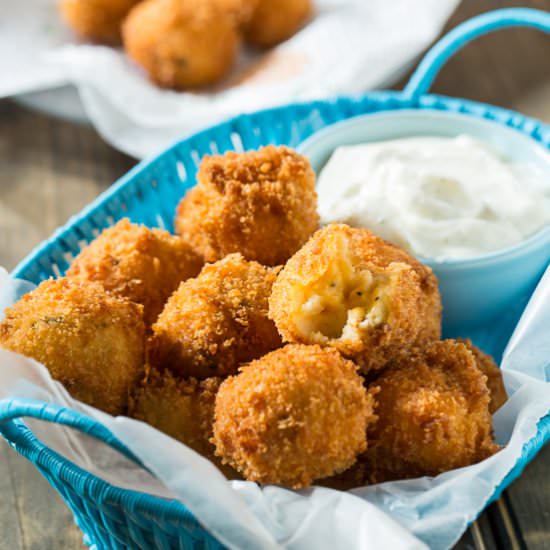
(437, 197)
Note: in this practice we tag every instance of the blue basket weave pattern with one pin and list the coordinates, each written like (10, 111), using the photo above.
(117, 518)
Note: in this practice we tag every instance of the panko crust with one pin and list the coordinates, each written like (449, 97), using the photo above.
(96, 20)
(433, 415)
(274, 21)
(141, 264)
(182, 409)
(297, 414)
(90, 341)
(406, 295)
(488, 367)
(217, 321)
(182, 44)
(262, 204)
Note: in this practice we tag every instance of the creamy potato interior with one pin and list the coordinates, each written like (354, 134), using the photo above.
(343, 303)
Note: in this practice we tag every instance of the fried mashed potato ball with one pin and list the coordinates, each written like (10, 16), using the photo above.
(90, 341)
(142, 264)
(96, 20)
(182, 409)
(488, 367)
(274, 21)
(217, 321)
(433, 414)
(297, 414)
(261, 203)
(349, 289)
(181, 44)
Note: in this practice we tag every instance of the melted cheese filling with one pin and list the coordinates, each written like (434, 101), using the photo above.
(342, 304)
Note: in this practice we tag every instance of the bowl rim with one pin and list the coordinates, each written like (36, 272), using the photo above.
(513, 252)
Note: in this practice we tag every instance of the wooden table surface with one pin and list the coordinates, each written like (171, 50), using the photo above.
(49, 169)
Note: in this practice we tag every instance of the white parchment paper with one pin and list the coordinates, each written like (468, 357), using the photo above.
(350, 46)
(399, 515)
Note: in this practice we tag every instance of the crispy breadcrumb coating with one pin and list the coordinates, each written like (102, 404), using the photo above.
(182, 44)
(274, 21)
(142, 264)
(90, 341)
(217, 321)
(489, 368)
(350, 289)
(261, 203)
(182, 409)
(297, 414)
(433, 414)
(96, 20)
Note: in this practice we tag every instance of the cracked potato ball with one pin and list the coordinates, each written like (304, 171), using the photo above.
(349, 289)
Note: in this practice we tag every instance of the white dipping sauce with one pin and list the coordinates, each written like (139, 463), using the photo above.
(436, 197)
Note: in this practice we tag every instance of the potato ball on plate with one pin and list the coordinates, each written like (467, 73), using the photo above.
(181, 44)
(262, 204)
(217, 321)
(433, 414)
(90, 341)
(182, 409)
(273, 21)
(142, 264)
(352, 290)
(96, 20)
(298, 414)
(488, 367)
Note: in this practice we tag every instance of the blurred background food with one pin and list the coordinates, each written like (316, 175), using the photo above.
(185, 44)
(147, 73)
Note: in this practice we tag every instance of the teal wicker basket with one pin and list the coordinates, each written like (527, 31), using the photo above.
(111, 517)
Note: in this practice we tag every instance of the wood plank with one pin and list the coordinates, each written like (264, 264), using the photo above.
(529, 500)
(478, 537)
(50, 171)
(9, 522)
(44, 520)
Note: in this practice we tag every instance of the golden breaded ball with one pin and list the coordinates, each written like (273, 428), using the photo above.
(241, 10)
(298, 414)
(262, 204)
(142, 264)
(217, 321)
(96, 20)
(488, 367)
(349, 289)
(182, 409)
(181, 44)
(90, 341)
(274, 21)
(433, 414)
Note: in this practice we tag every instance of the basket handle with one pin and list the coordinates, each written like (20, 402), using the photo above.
(13, 409)
(424, 75)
